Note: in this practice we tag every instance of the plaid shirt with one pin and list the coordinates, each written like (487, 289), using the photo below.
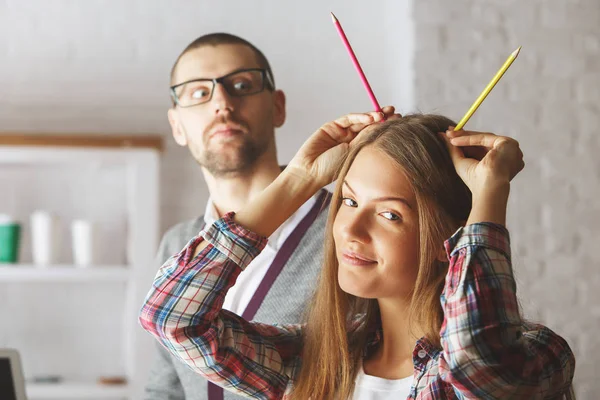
(487, 350)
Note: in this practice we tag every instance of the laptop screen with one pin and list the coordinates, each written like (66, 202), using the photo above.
(7, 380)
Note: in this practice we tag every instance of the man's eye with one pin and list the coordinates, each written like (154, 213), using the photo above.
(199, 93)
(240, 85)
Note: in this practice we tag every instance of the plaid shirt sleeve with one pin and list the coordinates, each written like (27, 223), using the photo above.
(488, 351)
(183, 310)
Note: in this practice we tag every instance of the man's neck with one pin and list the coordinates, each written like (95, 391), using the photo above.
(232, 192)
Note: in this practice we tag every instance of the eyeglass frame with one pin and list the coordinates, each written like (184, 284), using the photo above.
(267, 82)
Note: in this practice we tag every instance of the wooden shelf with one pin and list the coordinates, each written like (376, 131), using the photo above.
(75, 390)
(63, 273)
(81, 140)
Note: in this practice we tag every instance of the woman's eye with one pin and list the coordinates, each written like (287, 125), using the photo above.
(349, 202)
(390, 215)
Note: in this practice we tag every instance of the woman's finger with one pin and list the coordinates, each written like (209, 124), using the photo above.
(387, 110)
(456, 154)
(344, 129)
(452, 133)
(357, 128)
(487, 140)
(358, 118)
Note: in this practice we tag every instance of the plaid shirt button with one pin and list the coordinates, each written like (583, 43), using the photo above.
(422, 353)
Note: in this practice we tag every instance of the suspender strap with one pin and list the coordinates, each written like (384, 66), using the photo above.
(283, 255)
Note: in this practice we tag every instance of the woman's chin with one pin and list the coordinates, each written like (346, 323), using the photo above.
(356, 288)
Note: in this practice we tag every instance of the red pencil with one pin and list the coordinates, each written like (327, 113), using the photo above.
(363, 78)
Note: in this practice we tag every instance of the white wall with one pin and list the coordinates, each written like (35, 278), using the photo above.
(549, 100)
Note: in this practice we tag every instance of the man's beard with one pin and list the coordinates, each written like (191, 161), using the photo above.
(231, 162)
(238, 159)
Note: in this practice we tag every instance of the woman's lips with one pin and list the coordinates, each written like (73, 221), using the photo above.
(353, 258)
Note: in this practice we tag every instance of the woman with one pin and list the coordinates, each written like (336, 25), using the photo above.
(376, 328)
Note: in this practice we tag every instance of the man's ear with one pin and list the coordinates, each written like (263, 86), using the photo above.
(279, 108)
(176, 128)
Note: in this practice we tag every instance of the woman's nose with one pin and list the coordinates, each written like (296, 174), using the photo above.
(356, 227)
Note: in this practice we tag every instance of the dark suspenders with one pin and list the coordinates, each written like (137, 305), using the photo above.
(289, 246)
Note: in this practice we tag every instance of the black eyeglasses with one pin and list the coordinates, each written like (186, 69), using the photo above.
(238, 83)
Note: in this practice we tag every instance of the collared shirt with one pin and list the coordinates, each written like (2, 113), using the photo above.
(487, 352)
(239, 296)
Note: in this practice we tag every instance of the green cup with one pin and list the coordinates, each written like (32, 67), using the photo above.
(10, 235)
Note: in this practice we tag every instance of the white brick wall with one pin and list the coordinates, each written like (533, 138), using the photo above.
(550, 101)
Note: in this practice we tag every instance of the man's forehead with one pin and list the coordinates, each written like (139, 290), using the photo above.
(214, 61)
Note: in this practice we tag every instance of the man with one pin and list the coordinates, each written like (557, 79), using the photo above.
(225, 110)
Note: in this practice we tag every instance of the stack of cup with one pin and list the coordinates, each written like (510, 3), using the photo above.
(82, 234)
(45, 238)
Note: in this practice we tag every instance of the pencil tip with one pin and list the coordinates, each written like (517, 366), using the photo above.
(333, 18)
(516, 52)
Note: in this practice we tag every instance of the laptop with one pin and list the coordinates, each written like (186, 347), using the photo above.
(12, 383)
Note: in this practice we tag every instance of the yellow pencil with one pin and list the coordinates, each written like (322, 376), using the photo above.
(488, 89)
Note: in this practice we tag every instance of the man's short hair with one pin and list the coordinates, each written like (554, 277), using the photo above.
(214, 39)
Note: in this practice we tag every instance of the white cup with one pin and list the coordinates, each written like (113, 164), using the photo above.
(45, 238)
(83, 242)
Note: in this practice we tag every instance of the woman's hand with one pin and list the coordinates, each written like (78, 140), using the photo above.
(313, 167)
(486, 163)
(321, 155)
(484, 160)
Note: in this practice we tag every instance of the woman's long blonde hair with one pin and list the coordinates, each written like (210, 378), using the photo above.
(333, 350)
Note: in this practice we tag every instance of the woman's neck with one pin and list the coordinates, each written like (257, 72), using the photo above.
(393, 357)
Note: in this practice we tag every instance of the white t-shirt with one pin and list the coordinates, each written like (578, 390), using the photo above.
(373, 388)
(241, 293)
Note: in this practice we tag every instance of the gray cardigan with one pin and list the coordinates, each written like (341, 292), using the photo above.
(285, 302)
